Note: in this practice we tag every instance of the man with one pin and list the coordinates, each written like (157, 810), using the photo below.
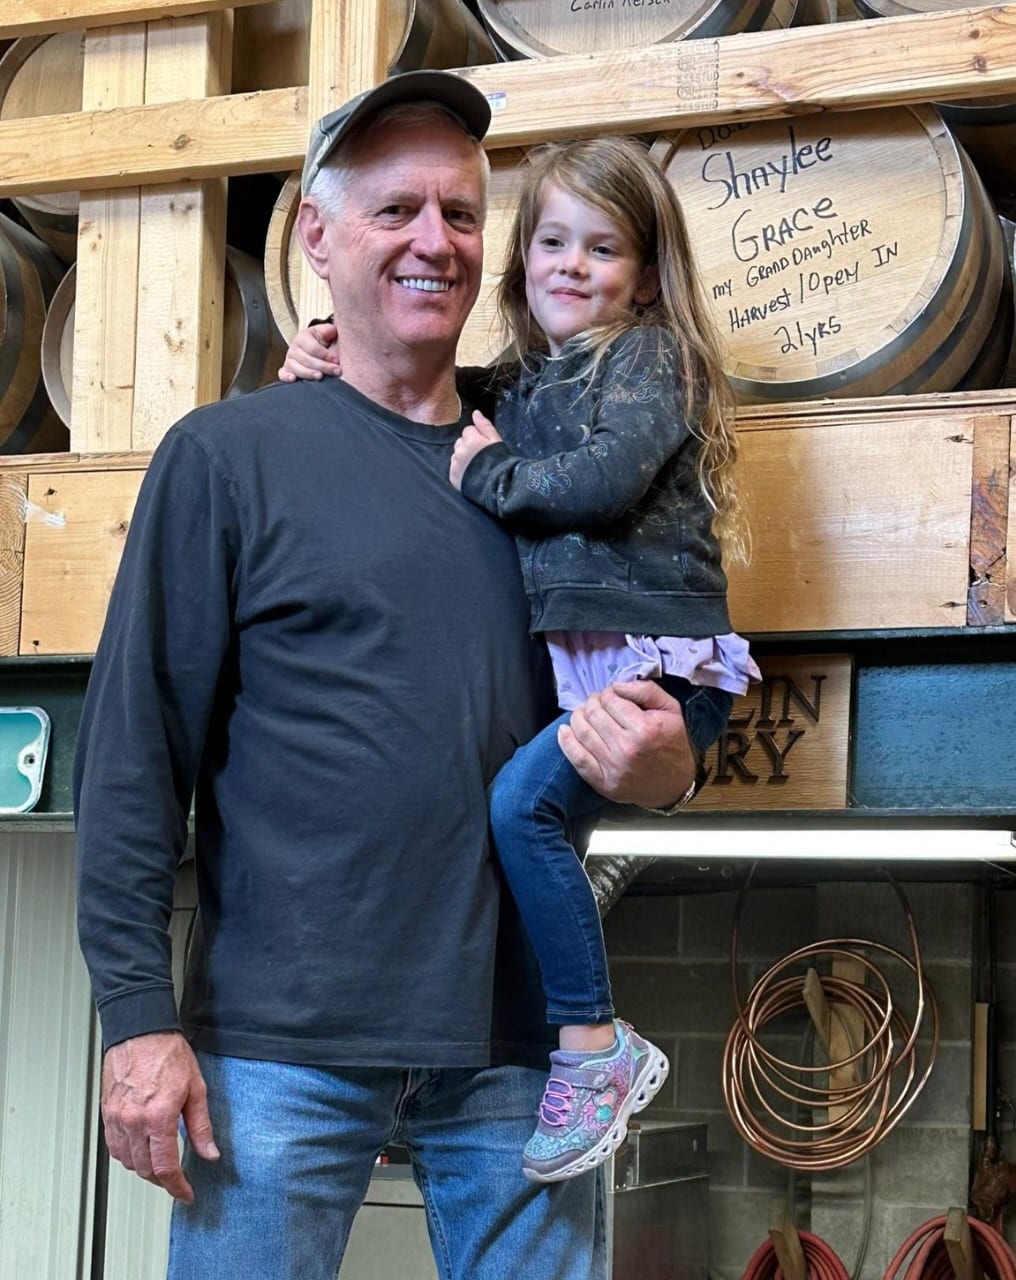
(313, 634)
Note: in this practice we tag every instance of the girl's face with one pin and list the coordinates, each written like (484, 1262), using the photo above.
(581, 269)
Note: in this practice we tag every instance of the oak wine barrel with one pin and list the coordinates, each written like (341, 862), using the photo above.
(846, 254)
(39, 76)
(271, 41)
(252, 348)
(545, 28)
(985, 127)
(29, 275)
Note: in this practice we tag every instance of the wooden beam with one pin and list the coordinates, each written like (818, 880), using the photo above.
(348, 50)
(979, 1120)
(38, 17)
(122, 147)
(787, 1245)
(846, 1033)
(106, 282)
(755, 75)
(178, 363)
(960, 1246)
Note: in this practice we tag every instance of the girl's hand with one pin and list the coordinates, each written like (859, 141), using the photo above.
(313, 353)
(480, 435)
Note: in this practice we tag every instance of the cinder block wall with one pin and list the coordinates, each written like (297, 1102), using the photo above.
(670, 969)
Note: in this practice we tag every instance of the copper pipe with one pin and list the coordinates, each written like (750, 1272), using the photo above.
(757, 1081)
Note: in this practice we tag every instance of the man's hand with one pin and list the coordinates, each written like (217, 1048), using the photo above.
(629, 743)
(148, 1083)
(474, 438)
(313, 354)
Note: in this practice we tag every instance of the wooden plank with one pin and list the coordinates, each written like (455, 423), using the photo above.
(855, 525)
(959, 1245)
(787, 745)
(979, 1069)
(236, 133)
(757, 417)
(846, 1032)
(989, 515)
(787, 1245)
(817, 1006)
(754, 75)
(36, 17)
(59, 462)
(13, 514)
(348, 53)
(73, 543)
(1010, 530)
(105, 306)
(839, 1028)
(181, 254)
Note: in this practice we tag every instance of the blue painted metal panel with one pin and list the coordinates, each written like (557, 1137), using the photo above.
(935, 736)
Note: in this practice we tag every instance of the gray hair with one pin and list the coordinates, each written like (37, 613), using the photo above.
(332, 183)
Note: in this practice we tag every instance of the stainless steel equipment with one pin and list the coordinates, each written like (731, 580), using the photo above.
(657, 1212)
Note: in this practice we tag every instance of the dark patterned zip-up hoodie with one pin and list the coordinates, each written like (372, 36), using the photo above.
(596, 477)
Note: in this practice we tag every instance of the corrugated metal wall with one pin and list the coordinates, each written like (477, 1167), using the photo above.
(47, 1066)
(61, 1216)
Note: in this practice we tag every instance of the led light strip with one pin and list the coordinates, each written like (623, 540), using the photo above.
(957, 844)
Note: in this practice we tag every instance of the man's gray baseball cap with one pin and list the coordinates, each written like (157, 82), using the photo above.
(452, 92)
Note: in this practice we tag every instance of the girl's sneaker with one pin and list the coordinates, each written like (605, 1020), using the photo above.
(589, 1099)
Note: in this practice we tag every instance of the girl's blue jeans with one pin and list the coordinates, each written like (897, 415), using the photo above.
(535, 801)
(298, 1148)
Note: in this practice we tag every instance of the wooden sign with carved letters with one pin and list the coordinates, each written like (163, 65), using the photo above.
(786, 746)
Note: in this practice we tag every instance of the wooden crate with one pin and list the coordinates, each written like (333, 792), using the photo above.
(870, 515)
(863, 520)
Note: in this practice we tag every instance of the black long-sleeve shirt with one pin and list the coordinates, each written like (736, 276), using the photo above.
(313, 633)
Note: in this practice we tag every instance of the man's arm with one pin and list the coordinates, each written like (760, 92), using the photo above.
(143, 727)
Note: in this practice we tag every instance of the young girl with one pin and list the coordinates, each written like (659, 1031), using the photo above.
(611, 462)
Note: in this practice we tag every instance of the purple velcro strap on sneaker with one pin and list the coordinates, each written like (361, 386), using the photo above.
(586, 1077)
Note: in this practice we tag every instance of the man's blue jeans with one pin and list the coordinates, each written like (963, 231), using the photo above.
(535, 801)
(298, 1149)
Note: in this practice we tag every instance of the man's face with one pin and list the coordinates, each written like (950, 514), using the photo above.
(405, 254)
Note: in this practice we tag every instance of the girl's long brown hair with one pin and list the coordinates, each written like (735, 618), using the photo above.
(620, 179)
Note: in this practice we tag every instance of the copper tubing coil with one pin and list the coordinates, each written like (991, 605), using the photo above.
(923, 1255)
(756, 1081)
(822, 1261)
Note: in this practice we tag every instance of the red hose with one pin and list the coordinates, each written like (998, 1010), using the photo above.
(929, 1259)
(821, 1260)
(922, 1256)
